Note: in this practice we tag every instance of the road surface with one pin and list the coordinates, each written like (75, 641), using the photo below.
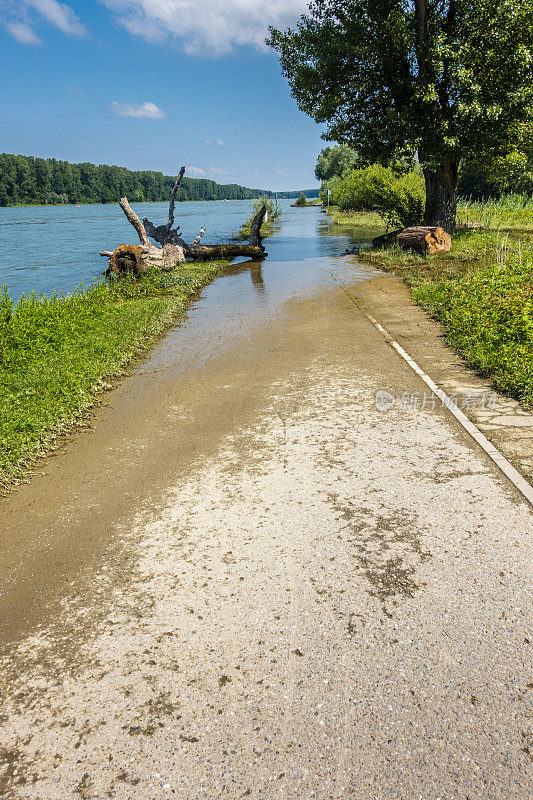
(244, 580)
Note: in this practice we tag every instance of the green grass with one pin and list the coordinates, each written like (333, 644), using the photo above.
(509, 213)
(482, 294)
(360, 219)
(481, 291)
(57, 352)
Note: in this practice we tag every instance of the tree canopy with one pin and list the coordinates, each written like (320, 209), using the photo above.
(335, 162)
(25, 180)
(446, 79)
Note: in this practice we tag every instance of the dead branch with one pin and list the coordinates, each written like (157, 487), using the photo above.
(255, 228)
(198, 238)
(181, 173)
(174, 250)
(132, 217)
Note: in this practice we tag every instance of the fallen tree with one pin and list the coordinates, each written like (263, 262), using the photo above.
(172, 249)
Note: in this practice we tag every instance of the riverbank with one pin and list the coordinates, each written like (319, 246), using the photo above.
(58, 353)
(480, 291)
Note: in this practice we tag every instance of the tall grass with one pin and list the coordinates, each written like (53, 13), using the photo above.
(512, 212)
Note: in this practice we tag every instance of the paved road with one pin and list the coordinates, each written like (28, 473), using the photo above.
(252, 583)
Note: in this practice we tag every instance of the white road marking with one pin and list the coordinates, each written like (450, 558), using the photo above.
(518, 481)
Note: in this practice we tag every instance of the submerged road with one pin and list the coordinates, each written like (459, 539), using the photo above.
(246, 580)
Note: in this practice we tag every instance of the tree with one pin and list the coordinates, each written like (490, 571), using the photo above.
(335, 162)
(446, 79)
(302, 200)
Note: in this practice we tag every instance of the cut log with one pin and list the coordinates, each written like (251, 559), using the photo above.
(425, 240)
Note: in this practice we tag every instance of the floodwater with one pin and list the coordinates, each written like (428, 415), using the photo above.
(50, 249)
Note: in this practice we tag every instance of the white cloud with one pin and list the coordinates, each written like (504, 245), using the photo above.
(207, 25)
(211, 172)
(220, 142)
(20, 17)
(23, 33)
(60, 15)
(138, 110)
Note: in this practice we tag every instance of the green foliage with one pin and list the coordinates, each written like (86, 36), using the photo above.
(301, 201)
(446, 78)
(399, 199)
(272, 217)
(39, 181)
(55, 351)
(335, 162)
(510, 212)
(481, 291)
(488, 317)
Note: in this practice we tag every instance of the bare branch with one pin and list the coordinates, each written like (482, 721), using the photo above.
(198, 238)
(181, 173)
(255, 228)
(134, 220)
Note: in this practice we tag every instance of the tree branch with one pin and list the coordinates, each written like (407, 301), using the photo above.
(132, 218)
(181, 173)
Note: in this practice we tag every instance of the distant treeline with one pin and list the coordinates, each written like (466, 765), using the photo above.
(25, 180)
(309, 193)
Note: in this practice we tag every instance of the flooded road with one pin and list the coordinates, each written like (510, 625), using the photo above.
(245, 580)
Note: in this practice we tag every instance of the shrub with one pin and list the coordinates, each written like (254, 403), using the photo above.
(302, 200)
(399, 199)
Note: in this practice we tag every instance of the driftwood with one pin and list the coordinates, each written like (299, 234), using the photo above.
(173, 249)
(426, 240)
(255, 228)
(139, 258)
(132, 217)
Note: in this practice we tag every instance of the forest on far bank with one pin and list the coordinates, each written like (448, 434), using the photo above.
(27, 180)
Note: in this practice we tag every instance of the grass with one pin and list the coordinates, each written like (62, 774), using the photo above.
(56, 353)
(510, 213)
(481, 291)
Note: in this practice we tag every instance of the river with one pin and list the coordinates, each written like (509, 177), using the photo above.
(50, 249)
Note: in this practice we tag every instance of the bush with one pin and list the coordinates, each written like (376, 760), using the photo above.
(399, 199)
(302, 200)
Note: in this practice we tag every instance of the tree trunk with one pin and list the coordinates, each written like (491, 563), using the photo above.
(441, 195)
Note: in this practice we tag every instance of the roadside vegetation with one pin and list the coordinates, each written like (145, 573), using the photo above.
(481, 291)
(57, 353)
(272, 218)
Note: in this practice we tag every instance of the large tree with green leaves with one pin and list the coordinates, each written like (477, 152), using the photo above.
(446, 79)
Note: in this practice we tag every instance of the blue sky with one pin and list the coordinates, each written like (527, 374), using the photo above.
(153, 84)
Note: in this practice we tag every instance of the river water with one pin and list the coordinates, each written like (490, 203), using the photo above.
(50, 249)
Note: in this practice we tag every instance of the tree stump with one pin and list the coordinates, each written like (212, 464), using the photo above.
(128, 258)
(425, 240)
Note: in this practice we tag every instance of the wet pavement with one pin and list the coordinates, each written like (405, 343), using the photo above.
(245, 580)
